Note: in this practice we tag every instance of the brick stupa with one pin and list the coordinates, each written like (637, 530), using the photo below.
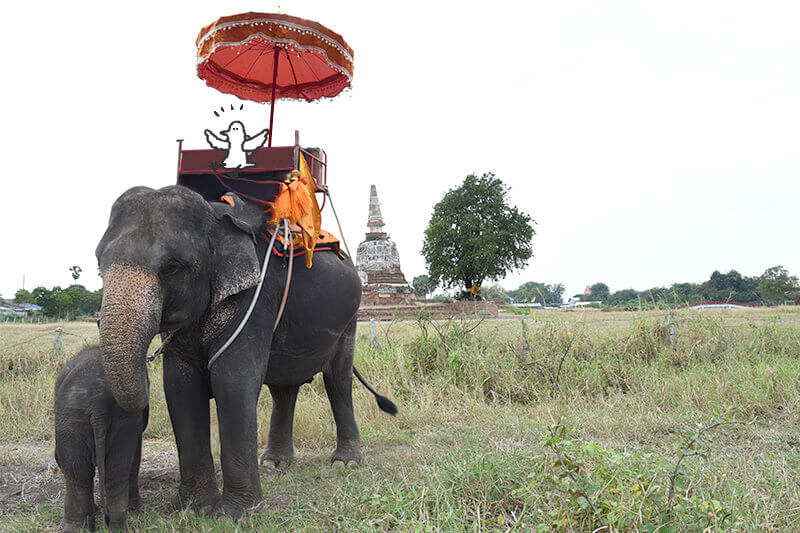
(378, 262)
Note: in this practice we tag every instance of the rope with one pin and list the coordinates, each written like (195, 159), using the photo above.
(252, 304)
(160, 348)
(27, 341)
(290, 238)
(341, 233)
(243, 195)
(79, 336)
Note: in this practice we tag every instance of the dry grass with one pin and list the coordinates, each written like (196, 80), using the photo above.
(468, 449)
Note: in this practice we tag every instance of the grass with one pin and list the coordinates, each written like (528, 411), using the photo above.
(566, 421)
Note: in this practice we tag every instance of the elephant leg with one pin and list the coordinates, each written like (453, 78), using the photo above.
(339, 386)
(134, 500)
(280, 448)
(236, 394)
(79, 508)
(121, 446)
(78, 469)
(187, 400)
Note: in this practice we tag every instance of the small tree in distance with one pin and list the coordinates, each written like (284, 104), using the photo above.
(775, 284)
(475, 235)
(23, 296)
(76, 272)
(423, 285)
(600, 292)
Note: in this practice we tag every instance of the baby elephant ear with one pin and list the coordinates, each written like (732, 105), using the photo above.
(235, 264)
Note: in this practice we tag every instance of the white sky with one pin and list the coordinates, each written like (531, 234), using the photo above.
(654, 142)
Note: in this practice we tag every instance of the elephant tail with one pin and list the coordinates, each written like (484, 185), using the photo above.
(385, 404)
(99, 429)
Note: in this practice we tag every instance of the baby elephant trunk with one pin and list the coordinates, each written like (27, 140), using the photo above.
(130, 317)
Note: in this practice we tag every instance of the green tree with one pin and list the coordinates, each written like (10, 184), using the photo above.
(495, 292)
(599, 293)
(73, 301)
(623, 298)
(76, 272)
(531, 291)
(775, 284)
(24, 297)
(730, 287)
(423, 285)
(475, 235)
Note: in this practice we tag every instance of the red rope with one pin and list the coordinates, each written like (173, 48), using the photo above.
(247, 196)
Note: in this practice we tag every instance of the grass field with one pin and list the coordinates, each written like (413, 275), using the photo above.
(572, 421)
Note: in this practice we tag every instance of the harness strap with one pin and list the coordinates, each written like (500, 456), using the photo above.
(341, 233)
(246, 317)
(288, 274)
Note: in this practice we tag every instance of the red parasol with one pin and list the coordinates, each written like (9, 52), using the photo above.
(266, 56)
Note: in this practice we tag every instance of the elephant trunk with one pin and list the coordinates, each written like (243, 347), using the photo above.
(130, 318)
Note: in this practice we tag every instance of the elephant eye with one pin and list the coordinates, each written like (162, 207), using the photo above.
(171, 268)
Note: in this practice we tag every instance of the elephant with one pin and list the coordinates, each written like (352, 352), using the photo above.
(173, 262)
(92, 430)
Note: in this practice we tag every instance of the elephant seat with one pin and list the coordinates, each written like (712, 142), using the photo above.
(201, 171)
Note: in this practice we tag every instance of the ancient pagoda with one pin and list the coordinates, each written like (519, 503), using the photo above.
(378, 262)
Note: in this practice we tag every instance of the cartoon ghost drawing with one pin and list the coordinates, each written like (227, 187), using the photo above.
(237, 143)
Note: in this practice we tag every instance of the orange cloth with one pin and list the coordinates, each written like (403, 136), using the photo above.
(296, 202)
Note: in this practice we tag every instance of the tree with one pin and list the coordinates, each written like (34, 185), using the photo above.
(775, 284)
(531, 291)
(423, 285)
(731, 286)
(76, 272)
(73, 301)
(625, 296)
(475, 235)
(600, 292)
(495, 292)
(24, 297)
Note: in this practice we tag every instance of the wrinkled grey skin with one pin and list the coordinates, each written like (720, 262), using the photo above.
(172, 261)
(92, 430)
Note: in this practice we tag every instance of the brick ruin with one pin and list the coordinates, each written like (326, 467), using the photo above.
(378, 263)
(386, 294)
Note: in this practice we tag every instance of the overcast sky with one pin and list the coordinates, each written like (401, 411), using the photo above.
(653, 142)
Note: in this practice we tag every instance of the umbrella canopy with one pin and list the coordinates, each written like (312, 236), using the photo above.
(267, 56)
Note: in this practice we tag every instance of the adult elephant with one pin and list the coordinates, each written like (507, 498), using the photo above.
(172, 261)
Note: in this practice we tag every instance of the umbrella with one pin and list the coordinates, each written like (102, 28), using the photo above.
(266, 56)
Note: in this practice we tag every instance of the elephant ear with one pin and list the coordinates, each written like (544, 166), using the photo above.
(236, 266)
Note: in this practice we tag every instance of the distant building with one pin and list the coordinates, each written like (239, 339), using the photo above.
(8, 307)
(378, 262)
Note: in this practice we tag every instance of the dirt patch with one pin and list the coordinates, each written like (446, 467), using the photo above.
(29, 485)
(39, 480)
(41, 483)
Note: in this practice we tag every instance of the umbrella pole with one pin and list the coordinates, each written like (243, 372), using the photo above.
(276, 50)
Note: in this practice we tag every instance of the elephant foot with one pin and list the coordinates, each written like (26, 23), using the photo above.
(234, 509)
(204, 499)
(134, 503)
(79, 508)
(270, 468)
(337, 464)
(275, 456)
(347, 454)
(119, 524)
(86, 523)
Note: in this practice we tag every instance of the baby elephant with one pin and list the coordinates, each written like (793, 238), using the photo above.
(93, 430)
